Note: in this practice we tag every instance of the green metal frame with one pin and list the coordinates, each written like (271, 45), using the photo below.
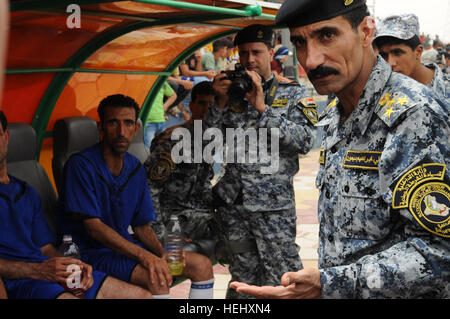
(249, 11)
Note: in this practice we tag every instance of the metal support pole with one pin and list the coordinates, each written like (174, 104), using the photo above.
(249, 11)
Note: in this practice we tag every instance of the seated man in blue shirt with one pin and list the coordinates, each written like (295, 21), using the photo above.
(104, 192)
(29, 263)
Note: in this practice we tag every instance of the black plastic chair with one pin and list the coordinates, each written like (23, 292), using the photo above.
(71, 135)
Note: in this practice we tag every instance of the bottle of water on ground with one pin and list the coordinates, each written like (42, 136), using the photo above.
(174, 245)
(71, 250)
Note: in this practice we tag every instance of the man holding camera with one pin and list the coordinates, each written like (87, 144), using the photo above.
(256, 205)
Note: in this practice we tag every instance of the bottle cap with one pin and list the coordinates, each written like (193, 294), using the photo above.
(67, 238)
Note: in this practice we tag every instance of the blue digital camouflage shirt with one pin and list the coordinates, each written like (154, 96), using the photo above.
(440, 83)
(265, 185)
(178, 187)
(384, 193)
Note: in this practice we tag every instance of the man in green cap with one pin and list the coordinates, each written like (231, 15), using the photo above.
(383, 180)
(255, 199)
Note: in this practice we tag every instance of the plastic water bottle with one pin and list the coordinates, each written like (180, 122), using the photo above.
(174, 246)
(71, 250)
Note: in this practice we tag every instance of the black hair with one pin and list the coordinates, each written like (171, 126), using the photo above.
(217, 45)
(118, 101)
(355, 17)
(202, 88)
(3, 120)
(228, 43)
(413, 43)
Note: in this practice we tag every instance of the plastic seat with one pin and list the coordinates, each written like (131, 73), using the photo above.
(21, 163)
(74, 134)
(137, 146)
(71, 135)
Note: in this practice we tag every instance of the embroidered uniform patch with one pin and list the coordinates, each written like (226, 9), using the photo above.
(162, 168)
(414, 177)
(311, 114)
(362, 160)
(427, 197)
(280, 103)
(310, 110)
(430, 206)
(322, 156)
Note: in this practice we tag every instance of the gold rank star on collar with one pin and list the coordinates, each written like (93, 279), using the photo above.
(402, 100)
(389, 112)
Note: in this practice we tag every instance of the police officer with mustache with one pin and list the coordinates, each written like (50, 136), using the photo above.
(257, 207)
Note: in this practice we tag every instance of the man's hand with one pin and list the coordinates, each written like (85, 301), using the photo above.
(256, 95)
(87, 280)
(210, 74)
(220, 86)
(188, 85)
(304, 284)
(158, 269)
(55, 269)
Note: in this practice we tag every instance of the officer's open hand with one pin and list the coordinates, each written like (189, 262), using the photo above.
(304, 284)
(256, 95)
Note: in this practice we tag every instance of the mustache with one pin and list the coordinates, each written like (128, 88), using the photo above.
(322, 71)
(120, 139)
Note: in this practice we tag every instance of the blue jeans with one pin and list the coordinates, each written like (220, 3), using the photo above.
(151, 129)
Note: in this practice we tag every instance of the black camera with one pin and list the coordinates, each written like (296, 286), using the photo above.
(442, 54)
(241, 82)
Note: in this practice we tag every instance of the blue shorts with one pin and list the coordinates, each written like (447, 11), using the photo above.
(43, 289)
(111, 263)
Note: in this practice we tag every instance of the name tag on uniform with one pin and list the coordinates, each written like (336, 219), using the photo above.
(280, 103)
(362, 160)
(322, 156)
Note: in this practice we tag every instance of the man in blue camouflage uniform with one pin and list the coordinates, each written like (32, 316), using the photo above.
(384, 187)
(182, 189)
(441, 81)
(255, 199)
(398, 41)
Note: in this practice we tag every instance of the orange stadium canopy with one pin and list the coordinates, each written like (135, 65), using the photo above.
(57, 68)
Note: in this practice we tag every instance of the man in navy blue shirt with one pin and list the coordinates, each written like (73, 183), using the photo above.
(104, 192)
(29, 263)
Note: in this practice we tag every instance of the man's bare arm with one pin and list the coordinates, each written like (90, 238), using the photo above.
(148, 237)
(54, 269)
(156, 266)
(104, 234)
